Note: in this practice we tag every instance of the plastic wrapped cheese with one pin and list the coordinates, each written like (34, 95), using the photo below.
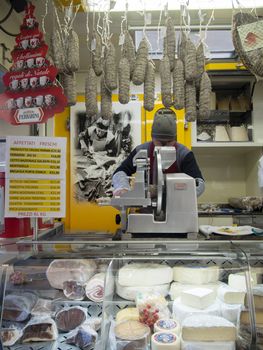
(144, 274)
(230, 295)
(129, 293)
(196, 274)
(165, 340)
(238, 280)
(208, 328)
(134, 334)
(181, 311)
(167, 325)
(199, 298)
(129, 313)
(177, 288)
(62, 270)
(231, 312)
(190, 345)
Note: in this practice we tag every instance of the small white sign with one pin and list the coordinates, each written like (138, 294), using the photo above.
(29, 115)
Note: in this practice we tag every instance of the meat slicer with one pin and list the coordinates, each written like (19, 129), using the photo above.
(169, 205)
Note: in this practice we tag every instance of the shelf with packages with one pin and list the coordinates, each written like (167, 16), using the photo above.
(147, 286)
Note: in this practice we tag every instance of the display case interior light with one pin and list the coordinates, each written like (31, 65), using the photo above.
(156, 5)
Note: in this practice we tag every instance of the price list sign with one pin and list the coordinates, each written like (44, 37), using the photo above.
(35, 176)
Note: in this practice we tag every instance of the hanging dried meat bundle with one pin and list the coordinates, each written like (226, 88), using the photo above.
(149, 87)
(190, 66)
(91, 93)
(106, 101)
(138, 76)
(190, 102)
(166, 84)
(200, 61)
(252, 59)
(57, 51)
(170, 40)
(70, 87)
(128, 51)
(124, 80)
(110, 69)
(182, 46)
(178, 84)
(72, 56)
(204, 97)
(97, 55)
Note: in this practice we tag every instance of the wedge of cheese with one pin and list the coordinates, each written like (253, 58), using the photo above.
(144, 274)
(208, 328)
(181, 311)
(177, 288)
(230, 295)
(199, 298)
(196, 274)
(215, 345)
(257, 295)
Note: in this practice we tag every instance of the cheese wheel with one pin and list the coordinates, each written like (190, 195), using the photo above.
(196, 274)
(129, 313)
(165, 340)
(144, 274)
(132, 330)
(167, 325)
(129, 293)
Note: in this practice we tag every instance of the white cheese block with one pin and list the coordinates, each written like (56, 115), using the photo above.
(177, 288)
(165, 340)
(257, 295)
(199, 298)
(181, 311)
(129, 313)
(190, 345)
(238, 280)
(144, 274)
(167, 325)
(231, 312)
(196, 274)
(208, 328)
(129, 293)
(62, 270)
(230, 295)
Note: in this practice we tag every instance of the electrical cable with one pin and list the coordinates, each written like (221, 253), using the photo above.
(8, 14)
(6, 32)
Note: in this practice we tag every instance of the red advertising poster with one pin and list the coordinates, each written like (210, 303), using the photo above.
(31, 95)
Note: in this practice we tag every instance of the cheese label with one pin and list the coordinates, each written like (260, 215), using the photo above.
(166, 324)
(165, 338)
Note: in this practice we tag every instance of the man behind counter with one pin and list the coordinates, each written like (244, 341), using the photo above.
(163, 134)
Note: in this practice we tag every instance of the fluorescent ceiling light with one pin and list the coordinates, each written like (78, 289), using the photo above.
(157, 5)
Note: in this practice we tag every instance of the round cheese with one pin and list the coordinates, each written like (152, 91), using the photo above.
(167, 325)
(129, 313)
(132, 330)
(165, 340)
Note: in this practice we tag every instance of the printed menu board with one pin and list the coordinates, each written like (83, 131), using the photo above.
(35, 176)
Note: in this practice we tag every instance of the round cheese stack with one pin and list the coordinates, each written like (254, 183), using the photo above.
(129, 313)
(167, 325)
(132, 330)
(165, 340)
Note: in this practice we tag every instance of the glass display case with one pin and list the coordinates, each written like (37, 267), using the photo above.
(141, 295)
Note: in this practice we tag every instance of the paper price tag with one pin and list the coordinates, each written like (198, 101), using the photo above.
(93, 44)
(121, 39)
(148, 18)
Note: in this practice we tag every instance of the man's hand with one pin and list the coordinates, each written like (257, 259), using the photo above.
(119, 192)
